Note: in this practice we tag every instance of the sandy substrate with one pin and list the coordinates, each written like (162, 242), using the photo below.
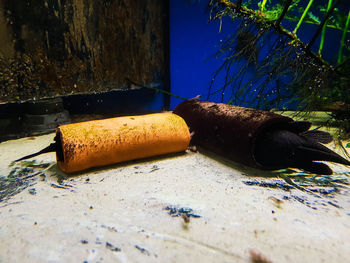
(189, 207)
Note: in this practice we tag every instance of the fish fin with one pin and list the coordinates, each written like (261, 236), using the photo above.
(51, 148)
(316, 168)
(318, 136)
(297, 126)
(318, 152)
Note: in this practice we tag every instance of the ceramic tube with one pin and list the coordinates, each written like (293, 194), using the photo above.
(103, 142)
(230, 131)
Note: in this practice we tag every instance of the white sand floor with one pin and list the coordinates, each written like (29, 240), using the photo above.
(117, 213)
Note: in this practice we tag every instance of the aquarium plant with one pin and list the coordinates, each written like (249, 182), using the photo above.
(277, 69)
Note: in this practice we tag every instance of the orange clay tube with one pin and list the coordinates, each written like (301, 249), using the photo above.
(102, 142)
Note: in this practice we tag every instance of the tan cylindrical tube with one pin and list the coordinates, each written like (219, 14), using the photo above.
(102, 142)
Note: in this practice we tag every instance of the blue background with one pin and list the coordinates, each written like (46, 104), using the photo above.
(194, 41)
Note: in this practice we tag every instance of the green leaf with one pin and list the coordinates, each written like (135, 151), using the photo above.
(314, 18)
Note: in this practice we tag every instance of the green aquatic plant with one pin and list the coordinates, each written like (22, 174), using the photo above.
(303, 16)
(324, 30)
(342, 43)
(291, 71)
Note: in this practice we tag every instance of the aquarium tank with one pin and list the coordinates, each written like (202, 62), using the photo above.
(175, 131)
(118, 57)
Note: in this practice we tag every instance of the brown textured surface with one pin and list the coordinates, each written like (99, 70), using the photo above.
(227, 130)
(50, 48)
(102, 142)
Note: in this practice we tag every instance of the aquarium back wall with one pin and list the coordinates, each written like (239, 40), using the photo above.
(58, 48)
(192, 41)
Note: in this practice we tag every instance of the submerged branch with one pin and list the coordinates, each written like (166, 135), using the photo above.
(284, 12)
(319, 29)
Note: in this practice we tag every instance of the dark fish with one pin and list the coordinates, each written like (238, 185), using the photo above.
(285, 148)
(260, 139)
